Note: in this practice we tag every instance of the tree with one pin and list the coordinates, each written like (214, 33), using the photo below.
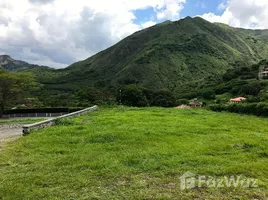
(253, 88)
(164, 98)
(182, 102)
(14, 87)
(208, 94)
(91, 95)
(133, 95)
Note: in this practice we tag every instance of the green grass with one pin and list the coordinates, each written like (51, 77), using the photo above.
(131, 153)
(21, 121)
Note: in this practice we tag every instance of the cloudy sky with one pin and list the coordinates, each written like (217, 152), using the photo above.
(57, 33)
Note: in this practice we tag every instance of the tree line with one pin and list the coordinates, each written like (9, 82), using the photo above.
(17, 88)
(14, 87)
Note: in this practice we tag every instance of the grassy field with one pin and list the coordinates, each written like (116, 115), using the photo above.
(131, 153)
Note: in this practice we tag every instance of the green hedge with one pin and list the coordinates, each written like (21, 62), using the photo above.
(259, 109)
(43, 110)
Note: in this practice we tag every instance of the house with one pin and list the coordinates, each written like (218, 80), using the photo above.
(195, 104)
(238, 100)
(263, 73)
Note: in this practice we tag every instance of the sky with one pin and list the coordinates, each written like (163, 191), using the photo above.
(57, 33)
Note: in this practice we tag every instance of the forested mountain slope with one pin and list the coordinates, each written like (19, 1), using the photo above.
(172, 55)
(180, 56)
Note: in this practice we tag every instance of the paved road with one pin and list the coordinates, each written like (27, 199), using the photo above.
(11, 131)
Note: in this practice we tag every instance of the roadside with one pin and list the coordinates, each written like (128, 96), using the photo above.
(10, 130)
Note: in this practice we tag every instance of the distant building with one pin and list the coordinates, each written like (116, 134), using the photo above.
(263, 73)
(238, 100)
(195, 104)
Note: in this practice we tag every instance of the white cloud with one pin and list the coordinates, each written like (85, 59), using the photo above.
(171, 10)
(60, 32)
(246, 13)
(148, 24)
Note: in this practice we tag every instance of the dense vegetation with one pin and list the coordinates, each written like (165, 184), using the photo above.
(133, 95)
(14, 87)
(131, 153)
(259, 109)
(241, 81)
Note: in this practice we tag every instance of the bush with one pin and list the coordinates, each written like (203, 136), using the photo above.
(217, 107)
(182, 102)
(164, 99)
(64, 122)
(251, 89)
(208, 94)
(91, 95)
(133, 95)
(259, 109)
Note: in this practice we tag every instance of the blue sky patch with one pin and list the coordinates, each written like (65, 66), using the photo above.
(191, 8)
(144, 15)
(199, 7)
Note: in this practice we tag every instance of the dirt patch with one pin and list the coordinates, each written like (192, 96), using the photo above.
(10, 130)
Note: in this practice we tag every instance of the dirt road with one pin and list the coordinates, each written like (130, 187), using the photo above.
(10, 130)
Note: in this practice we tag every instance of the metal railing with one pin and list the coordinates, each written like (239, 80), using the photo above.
(26, 129)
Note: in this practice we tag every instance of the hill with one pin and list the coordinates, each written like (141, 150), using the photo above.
(8, 63)
(179, 56)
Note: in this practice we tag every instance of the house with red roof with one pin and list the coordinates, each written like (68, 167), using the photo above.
(238, 100)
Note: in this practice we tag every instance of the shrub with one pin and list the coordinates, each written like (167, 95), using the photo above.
(91, 95)
(182, 101)
(208, 94)
(164, 98)
(251, 89)
(259, 109)
(133, 95)
(64, 122)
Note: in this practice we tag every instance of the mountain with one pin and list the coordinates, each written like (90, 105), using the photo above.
(8, 63)
(180, 56)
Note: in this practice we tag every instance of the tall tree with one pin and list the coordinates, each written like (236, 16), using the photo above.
(14, 87)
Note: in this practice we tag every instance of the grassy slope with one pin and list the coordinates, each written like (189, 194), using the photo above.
(130, 153)
(171, 55)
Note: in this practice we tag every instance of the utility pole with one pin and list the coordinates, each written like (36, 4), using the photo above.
(120, 100)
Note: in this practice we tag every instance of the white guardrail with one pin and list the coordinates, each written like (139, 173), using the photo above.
(26, 129)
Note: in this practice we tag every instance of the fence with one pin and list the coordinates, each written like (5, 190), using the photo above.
(25, 115)
(51, 122)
